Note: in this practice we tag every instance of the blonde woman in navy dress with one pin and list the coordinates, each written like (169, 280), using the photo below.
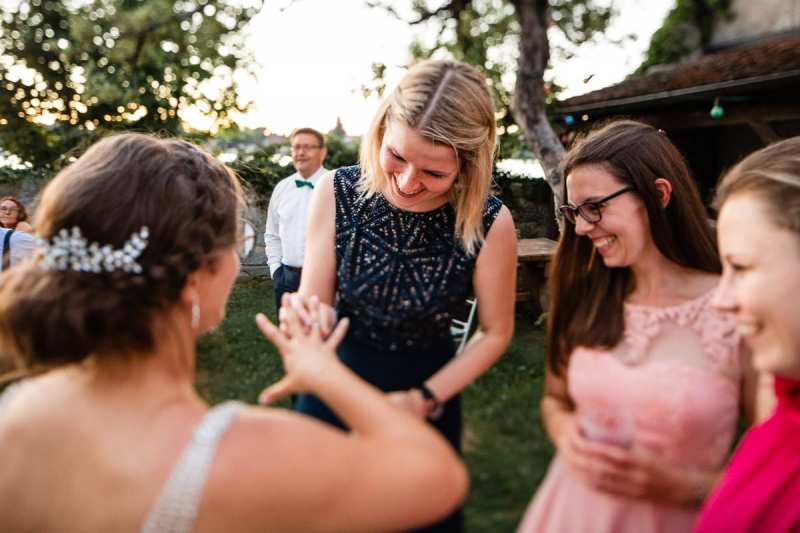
(401, 240)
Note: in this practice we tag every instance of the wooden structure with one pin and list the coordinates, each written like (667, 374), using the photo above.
(754, 84)
(533, 256)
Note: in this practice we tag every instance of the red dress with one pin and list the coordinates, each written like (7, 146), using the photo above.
(760, 489)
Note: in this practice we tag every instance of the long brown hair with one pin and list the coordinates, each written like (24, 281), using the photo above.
(586, 298)
(189, 202)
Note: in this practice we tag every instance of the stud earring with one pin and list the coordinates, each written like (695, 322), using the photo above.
(195, 315)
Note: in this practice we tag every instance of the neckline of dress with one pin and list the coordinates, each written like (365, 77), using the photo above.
(688, 303)
(413, 213)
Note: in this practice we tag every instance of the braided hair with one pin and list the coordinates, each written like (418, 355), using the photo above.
(190, 204)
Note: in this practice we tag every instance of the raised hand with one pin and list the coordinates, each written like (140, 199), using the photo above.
(305, 353)
(325, 314)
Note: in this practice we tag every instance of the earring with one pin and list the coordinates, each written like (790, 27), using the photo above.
(195, 315)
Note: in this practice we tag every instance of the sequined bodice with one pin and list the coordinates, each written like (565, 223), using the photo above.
(400, 274)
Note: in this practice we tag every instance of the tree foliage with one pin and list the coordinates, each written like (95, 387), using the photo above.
(486, 33)
(264, 167)
(509, 41)
(687, 28)
(73, 69)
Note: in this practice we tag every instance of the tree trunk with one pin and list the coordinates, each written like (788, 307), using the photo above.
(528, 102)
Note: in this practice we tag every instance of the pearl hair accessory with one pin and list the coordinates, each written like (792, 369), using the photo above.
(69, 250)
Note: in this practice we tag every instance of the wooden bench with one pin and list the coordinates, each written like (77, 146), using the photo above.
(533, 256)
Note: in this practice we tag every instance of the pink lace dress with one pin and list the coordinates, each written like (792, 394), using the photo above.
(672, 386)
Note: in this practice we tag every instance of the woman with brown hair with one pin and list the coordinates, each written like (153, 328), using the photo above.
(13, 215)
(137, 259)
(644, 376)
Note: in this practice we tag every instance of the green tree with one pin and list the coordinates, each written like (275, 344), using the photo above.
(73, 69)
(687, 28)
(508, 40)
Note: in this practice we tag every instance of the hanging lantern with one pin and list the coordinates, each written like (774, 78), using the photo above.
(717, 111)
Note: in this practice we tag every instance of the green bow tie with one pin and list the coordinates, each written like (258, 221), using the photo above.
(303, 183)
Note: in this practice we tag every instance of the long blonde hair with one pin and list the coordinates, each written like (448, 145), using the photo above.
(445, 102)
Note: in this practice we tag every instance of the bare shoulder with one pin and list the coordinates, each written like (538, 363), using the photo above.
(270, 467)
(266, 444)
(503, 225)
(324, 188)
(504, 217)
(500, 244)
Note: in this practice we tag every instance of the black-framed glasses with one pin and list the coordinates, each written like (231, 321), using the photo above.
(590, 211)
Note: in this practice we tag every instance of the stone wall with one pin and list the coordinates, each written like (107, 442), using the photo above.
(529, 200)
(756, 18)
(531, 205)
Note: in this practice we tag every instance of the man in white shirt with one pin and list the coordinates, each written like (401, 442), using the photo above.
(15, 246)
(287, 214)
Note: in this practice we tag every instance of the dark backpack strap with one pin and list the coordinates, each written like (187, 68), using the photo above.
(7, 250)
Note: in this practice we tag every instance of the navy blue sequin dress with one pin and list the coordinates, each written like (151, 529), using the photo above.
(399, 277)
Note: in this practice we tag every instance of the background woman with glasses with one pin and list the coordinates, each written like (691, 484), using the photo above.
(13, 215)
(643, 377)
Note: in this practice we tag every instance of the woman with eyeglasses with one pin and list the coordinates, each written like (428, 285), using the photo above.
(644, 377)
(13, 215)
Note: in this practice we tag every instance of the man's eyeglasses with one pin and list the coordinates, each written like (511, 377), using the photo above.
(9, 210)
(590, 211)
(305, 147)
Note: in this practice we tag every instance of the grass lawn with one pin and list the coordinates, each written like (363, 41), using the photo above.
(506, 450)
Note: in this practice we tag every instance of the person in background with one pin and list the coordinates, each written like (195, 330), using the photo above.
(137, 260)
(644, 379)
(13, 215)
(405, 238)
(759, 243)
(287, 214)
(15, 246)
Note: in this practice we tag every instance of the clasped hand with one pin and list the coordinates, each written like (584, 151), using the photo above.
(322, 314)
(306, 351)
(629, 472)
(313, 313)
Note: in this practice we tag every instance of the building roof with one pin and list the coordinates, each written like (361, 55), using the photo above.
(766, 60)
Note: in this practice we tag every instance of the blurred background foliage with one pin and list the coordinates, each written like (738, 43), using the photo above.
(72, 70)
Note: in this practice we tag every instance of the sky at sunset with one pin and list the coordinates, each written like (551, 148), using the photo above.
(314, 55)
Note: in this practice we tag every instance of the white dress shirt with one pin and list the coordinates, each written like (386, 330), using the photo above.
(287, 214)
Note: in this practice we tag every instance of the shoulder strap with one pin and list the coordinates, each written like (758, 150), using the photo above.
(7, 249)
(490, 212)
(176, 508)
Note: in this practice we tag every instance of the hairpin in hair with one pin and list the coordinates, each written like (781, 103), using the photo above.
(662, 132)
(69, 250)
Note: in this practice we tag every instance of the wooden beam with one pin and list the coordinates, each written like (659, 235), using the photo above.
(764, 131)
(734, 115)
